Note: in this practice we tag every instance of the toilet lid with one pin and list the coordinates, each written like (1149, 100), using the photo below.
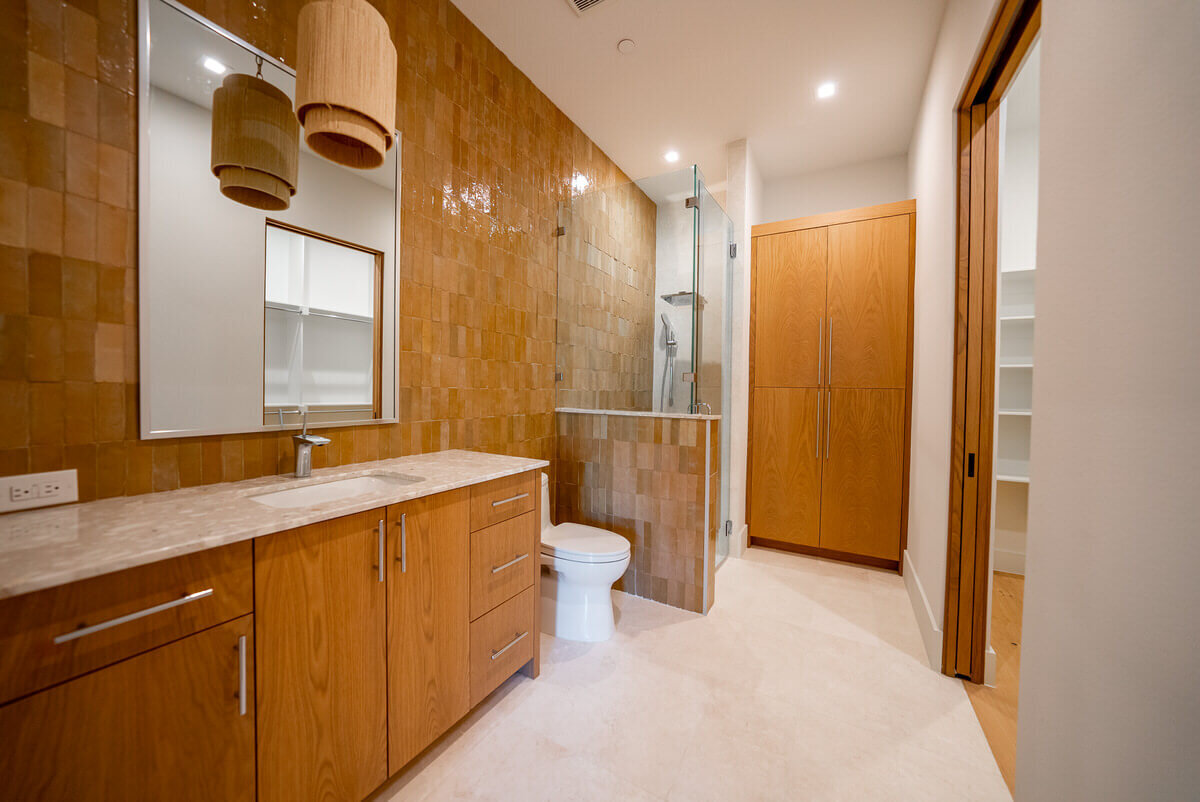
(583, 544)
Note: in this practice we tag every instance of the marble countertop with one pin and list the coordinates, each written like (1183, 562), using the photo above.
(633, 413)
(44, 548)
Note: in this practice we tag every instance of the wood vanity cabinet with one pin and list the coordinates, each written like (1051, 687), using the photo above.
(170, 723)
(321, 603)
(428, 639)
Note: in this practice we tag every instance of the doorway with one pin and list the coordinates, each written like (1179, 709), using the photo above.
(995, 309)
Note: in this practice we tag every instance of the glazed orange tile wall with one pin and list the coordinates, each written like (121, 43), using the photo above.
(645, 479)
(486, 160)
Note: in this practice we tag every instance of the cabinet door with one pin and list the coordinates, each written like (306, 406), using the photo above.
(428, 626)
(166, 724)
(785, 491)
(789, 308)
(322, 666)
(868, 303)
(860, 503)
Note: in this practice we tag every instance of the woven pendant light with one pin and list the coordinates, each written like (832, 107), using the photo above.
(255, 143)
(346, 82)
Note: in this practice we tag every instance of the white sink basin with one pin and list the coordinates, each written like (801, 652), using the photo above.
(336, 490)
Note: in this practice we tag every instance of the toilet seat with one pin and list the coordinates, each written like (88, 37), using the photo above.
(580, 543)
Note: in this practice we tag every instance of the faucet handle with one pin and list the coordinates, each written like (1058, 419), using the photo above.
(311, 439)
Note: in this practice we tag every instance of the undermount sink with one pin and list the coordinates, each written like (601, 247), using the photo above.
(336, 490)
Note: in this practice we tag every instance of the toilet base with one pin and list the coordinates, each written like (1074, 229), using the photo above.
(576, 611)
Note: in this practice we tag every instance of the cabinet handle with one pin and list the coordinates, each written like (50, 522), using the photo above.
(510, 500)
(241, 648)
(828, 417)
(829, 359)
(404, 542)
(381, 555)
(820, 353)
(511, 643)
(498, 568)
(124, 619)
(818, 455)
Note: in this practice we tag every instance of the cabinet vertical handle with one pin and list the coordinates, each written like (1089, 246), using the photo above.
(820, 353)
(829, 359)
(241, 649)
(381, 549)
(818, 423)
(404, 543)
(828, 418)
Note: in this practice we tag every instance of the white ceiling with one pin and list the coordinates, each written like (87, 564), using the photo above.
(708, 72)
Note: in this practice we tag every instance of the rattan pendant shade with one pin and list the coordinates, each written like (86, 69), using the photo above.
(255, 143)
(346, 82)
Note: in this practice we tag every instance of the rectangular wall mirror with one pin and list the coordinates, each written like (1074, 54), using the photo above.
(249, 317)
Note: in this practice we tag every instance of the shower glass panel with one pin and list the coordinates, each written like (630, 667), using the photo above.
(643, 322)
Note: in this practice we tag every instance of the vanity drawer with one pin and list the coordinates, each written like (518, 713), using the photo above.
(501, 499)
(55, 634)
(504, 561)
(501, 642)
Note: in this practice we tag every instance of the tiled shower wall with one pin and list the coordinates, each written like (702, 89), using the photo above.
(645, 479)
(487, 159)
(606, 300)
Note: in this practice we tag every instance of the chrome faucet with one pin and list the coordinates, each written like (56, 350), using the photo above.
(304, 445)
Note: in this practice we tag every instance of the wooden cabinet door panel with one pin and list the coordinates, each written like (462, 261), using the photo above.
(322, 663)
(165, 724)
(860, 503)
(429, 632)
(789, 308)
(785, 473)
(867, 338)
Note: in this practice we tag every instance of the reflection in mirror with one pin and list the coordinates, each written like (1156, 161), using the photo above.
(250, 316)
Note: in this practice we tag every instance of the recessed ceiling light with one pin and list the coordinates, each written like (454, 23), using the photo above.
(671, 156)
(212, 65)
(826, 90)
(626, 46)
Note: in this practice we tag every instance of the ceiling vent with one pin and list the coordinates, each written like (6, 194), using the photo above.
(580, 6)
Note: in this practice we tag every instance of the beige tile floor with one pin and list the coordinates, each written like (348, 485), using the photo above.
(807, 681)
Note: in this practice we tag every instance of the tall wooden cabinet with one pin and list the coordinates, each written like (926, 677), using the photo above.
(830, 394)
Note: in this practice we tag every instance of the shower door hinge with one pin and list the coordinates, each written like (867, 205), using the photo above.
(733, 250)
(561, 231)
(558, 375)
(728, 528)
(692, 202)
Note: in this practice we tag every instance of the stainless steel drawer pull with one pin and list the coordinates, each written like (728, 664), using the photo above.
(241, 647)
(511, 644)
(381, 549)
(510, 500)
(497, 569)
(124, 619)
(404, 543)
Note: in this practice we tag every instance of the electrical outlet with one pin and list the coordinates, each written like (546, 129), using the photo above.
(34, 490)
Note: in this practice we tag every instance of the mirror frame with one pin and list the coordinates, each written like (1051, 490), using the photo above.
(143, 224)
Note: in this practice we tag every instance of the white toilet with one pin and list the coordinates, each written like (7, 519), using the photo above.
(584, 561)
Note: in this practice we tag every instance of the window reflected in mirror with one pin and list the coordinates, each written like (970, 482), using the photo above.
(322, 332)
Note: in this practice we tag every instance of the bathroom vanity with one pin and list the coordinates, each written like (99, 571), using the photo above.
(273, 639)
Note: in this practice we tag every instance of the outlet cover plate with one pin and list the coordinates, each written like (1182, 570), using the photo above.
(32, 490)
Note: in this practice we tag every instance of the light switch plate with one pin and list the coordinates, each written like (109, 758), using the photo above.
(32, 490)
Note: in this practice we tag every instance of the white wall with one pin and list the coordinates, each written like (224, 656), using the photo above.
(744, 203)
(1109, 706)
(673, 254)
(932, 180)
(848, 187)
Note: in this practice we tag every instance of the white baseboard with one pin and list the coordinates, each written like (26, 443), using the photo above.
(931, 630)
(1010, 562)
(989, 666)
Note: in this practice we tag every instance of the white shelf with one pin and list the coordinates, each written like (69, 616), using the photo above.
(1029, 269)
(1016, 315)
(1012, 470)
(1014, 362)
(1026, 413)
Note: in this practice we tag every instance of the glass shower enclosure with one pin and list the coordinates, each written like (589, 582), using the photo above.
(678, 245)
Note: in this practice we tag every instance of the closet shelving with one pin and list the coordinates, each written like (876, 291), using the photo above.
(1014, 360)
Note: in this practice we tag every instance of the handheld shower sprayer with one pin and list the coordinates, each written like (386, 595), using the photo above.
(669, 331)
(666, 394)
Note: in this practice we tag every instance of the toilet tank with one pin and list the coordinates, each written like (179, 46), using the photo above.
(545, 501)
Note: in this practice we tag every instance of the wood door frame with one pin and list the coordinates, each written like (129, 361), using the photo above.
(905, 207)
(968, 551)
